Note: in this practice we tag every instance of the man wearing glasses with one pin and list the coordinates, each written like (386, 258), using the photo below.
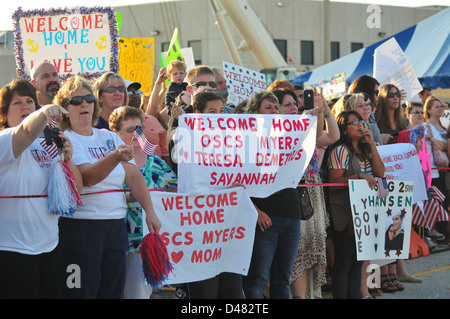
(134, 95)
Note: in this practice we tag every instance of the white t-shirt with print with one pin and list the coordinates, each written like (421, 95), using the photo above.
(90, 149)
(26, 225)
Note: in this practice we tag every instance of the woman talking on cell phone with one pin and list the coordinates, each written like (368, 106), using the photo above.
(351, 158)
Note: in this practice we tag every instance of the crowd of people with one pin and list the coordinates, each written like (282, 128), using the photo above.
(98, 120)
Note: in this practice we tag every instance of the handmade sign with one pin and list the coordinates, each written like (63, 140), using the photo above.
(401, 162)
(206, 234)
(242, 82)
(445, 119)
(333, 87)
(382, 226)
(265, 153)
(77, 40)
(137, 61)
(391, 66)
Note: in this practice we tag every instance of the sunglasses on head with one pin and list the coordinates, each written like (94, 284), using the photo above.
(391, 95)
(131, 129)
(112, 89)
(203, 83)
(77, 100)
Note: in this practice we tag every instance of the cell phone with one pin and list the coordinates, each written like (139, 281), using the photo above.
(308, 97)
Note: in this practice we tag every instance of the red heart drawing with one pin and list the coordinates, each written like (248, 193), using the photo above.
(186, 154)
(176, 257)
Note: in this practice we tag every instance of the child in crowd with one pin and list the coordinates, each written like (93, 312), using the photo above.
(176, 72)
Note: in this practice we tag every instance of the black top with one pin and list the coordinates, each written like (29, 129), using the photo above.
(285, 203)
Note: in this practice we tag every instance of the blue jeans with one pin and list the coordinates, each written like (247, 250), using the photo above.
(346, 272)
(274, 252)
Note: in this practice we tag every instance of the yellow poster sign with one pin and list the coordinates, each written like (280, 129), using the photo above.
(137, 61)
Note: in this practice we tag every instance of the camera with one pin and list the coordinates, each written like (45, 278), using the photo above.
(52, 135)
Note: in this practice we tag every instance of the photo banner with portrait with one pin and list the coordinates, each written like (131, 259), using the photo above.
(137, 61)
(264, 153)
(79, 40)
(382, 226)
(206, 234)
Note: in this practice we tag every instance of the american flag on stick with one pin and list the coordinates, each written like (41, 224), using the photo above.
(148, 147)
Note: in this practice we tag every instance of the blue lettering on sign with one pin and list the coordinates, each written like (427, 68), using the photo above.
(66, 37)
(90, 64)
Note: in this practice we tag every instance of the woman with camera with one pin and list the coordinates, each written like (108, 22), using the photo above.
(30, 257)
(96, 238)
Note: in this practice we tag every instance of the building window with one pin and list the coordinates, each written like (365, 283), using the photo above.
(165, 46)
(282, 47)
(307, 52)
(196, 50)
(335, 54)
(355, 46)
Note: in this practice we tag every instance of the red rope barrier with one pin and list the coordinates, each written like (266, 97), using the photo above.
(174, 189)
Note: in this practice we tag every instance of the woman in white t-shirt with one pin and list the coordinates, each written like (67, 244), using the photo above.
(30, 261)
(96, 238)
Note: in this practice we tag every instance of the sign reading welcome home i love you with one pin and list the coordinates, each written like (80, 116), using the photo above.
(265, 153)
(77, 40)
(206, 234)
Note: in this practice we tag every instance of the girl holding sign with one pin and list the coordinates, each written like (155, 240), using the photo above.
(354, 156)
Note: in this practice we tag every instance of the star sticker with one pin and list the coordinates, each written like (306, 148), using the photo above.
(403, 212)
(386, 253)
(399, 252)
(389, 211)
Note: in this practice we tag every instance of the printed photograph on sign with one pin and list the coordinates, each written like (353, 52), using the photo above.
(81, 40)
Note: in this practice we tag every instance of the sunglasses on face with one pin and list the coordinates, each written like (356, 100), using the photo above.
(391, 95)
(203, 83)
(417, 112)
(77, 100)
(131, 129)
(134, 92)
(112, 89)
(355, 122)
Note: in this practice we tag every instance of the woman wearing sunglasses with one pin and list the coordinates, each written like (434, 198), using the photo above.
(30, 258)
(389, 113)
(95, 239)
(354, 156)
(111, 92)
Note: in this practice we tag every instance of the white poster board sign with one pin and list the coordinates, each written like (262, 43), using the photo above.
(206, 234)
(401, 162)
(391, 66)
(265, 153)
(242, 82)
(77, 40)
(382, 226)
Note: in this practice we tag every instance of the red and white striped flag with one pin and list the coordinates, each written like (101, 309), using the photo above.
(148, 147)
(51, 149)
(433, 211)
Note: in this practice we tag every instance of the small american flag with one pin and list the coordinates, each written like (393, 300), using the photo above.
(51, 149)
(433, 211)
(148, 147)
